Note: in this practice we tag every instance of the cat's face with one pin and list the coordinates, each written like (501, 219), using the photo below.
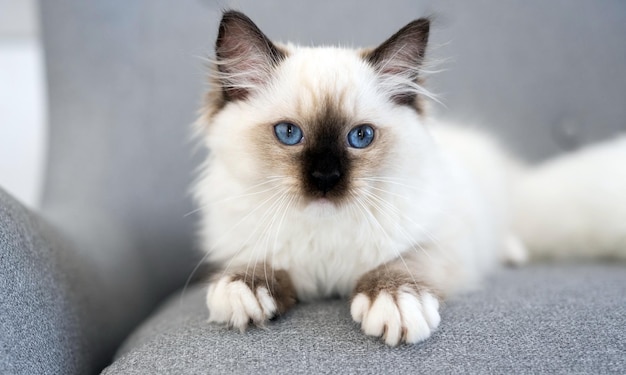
(324, 125)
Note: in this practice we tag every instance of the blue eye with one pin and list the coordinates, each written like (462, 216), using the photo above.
(361, 136)
(288, 134)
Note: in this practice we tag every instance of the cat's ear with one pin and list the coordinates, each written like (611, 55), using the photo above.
(245, 57)
(399, 58)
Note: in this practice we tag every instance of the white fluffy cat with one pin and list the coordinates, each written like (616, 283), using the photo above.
(326, 177)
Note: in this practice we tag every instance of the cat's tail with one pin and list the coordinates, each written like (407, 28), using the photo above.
(574, 205)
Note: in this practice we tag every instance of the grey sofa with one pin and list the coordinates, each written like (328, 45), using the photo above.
(84, 282)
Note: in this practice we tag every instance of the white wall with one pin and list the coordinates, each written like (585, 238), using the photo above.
(22, 101)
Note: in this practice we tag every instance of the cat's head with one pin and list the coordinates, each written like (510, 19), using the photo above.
(325, 125)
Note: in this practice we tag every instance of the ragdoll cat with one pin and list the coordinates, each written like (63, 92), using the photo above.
(326, 177)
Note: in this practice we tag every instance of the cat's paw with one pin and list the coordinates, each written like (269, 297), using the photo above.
(402, 315)
(239, 299)
(233, 302)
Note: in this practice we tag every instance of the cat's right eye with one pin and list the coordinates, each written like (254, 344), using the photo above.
(288, 133)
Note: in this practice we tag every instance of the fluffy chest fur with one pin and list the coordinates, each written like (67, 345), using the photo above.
(324, 250)
(325, 256)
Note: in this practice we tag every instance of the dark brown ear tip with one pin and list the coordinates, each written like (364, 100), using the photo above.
(421, 25)
(231, 18)
(423, 21)
(233, 15)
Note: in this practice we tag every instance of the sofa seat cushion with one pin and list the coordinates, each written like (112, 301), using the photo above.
(541, 318)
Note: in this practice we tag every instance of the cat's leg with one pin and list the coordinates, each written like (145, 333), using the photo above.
(389, 301)
(253, 294)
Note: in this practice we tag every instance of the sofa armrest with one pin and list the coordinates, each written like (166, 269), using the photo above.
(42, 290)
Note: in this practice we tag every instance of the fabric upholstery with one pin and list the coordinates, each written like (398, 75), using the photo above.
(43, 297)
(538, 319)
(123, 92)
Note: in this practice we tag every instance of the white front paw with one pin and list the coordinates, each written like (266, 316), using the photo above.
(404, 316)
(234, 303)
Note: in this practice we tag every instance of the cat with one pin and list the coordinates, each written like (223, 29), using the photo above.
(326, 177)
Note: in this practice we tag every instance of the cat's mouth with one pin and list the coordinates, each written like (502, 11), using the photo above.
(321, 207)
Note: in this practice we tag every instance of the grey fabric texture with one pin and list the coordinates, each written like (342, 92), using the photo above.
(44, 297)
(62, 309)
(539, 319)
(125, 80)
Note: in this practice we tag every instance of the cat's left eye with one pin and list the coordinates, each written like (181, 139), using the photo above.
(361, 136)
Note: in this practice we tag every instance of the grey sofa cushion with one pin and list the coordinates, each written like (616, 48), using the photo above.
(539, 319)
(64, 309)
(44, 288)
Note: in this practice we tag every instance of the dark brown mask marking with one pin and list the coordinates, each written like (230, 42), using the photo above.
(325, 160)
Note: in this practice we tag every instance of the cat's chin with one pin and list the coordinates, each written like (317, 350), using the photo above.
(321, 207)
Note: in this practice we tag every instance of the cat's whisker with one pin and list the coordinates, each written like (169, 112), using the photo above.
(404, 233)
(441, 210)
(398, 254)
(281, 203)
(417, 246)
(259, 206)
(195, 210)
(264, 242)
(215, 244)
(264, 219)
(447, 214)
(397, 181)
(395, 223)
(397, 195)
(367, 214)
(277, 233)
(404, 216)
(244, 194)
(394, 180)
(204, 258)
(400, 182)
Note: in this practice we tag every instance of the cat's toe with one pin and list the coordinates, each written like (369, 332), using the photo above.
(420, 315)
(245, 305)
(234, 303)
(400, 316)
(220, 308)
(359, 307)
(267, 302)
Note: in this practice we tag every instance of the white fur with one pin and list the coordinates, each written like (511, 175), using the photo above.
(407, 317)
(445, 200)
(234, 303)
(575, 205)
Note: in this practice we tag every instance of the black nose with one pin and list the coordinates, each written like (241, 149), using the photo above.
(325, 180)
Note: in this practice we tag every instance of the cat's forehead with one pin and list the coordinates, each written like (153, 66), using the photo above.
(326, 60)
(327, 80)
(326, 68)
